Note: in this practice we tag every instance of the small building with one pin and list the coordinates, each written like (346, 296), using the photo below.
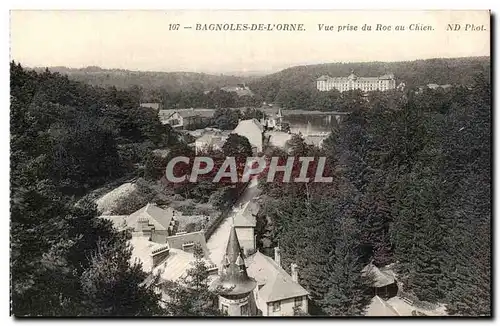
(240, 90)
(402, 306)
(273, 120)
(315, 140)
(436, 86)
(244, 222)
(253, 131)
(212, 140)
(171, 260)
(381, 280)
(186, 118)
(153, 222)
(278, 138)
(380, 308)
(155, 106)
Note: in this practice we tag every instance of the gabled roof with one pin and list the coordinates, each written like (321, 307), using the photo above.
(173, 267)
(176, 241)
(246, 216)
(212, 138)
(380, 308)
(188, 113)
(276, 283)
(160, 218)
(246, 124)
(323, 78)
(380, 277)
(315, 140)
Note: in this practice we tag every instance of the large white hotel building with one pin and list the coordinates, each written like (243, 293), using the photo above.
(367, 84)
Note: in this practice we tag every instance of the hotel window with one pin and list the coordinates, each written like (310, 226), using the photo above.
(298, 302)
(224, 309)
(276, 306)
(244, 310)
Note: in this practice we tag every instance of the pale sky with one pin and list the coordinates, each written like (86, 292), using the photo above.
(141, 40)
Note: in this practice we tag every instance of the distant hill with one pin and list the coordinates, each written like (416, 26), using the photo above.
(413, 73)
(148, 80)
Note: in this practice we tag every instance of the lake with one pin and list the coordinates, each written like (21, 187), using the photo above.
(310, 124)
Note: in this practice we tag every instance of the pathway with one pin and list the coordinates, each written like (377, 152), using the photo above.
(217, 242)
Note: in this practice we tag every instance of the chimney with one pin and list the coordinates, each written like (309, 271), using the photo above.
(277, 255)
(143, 225)
(159, 255)
(295, 272)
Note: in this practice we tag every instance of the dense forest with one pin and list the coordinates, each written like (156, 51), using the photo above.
(68, 138)
(291, 88)
(412, 186)
(148, 80)
(278, 86)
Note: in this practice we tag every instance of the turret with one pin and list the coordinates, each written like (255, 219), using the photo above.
(234, 285)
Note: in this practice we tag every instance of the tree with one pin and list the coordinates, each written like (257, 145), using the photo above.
(348, 293)
(65, 261)
(191, 296)
(226, 119)
(113, 287)
(237, 146)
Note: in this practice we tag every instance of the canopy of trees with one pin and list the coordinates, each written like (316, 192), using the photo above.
(67, 138)
(412, 186)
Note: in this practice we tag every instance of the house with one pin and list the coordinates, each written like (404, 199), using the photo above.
(170, 260)
(155, 244)
(401, 306)
(153, 222)
(278, 138)
(253, 131)
(257, 285)
(240, 90)
(380, 308)
(185, 118)
(436, 86)
(277, 292)
(382, 280)
(211, 140)
(244, 222)
(154, 106)
(273, 120)
(315, 140)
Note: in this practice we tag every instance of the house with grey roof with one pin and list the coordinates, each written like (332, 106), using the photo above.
(257, 284)
(244, 222)
(153, 222)
(277, 293)
(382, 280)
(253, 130)
(186, 118)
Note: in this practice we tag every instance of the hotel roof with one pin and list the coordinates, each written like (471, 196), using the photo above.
(354, 77)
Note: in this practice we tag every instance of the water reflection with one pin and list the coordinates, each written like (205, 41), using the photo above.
(310, 124)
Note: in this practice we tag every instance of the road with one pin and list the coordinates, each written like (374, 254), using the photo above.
(218, 241)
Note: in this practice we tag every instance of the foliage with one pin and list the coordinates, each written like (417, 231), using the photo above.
(412, 186)
(65, 261)
(191, 296)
